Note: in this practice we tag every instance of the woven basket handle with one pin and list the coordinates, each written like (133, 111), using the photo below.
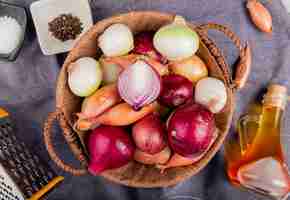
(243, 67)
(71, 140)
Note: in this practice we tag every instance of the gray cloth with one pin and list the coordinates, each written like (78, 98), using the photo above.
(27, 90)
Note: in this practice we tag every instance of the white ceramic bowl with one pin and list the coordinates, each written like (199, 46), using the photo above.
(44, 11)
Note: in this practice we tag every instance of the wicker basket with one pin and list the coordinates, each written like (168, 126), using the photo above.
(135, 174)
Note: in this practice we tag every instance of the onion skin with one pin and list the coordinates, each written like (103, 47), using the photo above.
(243, 68)
(139, 84)
(178, 161)
(85, 124)
(125, 61)
(148, 134)
(156, 159)
(176, 90)
(99, 102)
(190, 129)
(120, 115)
(122, 61)
(160, 68)
(109, 147)
(192, 68)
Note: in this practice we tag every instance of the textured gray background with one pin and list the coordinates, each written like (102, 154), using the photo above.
(27, 91)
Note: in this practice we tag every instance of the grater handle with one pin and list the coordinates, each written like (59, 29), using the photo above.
(47, 133)
(243, 66)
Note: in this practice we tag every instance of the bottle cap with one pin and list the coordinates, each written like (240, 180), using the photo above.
(276, 96)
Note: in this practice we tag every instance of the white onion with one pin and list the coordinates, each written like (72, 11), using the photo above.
(84, 76)
(116, 40)
(176, 41)
(139, 84)
(211, 93)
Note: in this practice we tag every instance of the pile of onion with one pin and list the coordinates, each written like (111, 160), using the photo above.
(154, 85)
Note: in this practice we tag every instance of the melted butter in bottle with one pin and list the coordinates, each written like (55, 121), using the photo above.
(254, 157)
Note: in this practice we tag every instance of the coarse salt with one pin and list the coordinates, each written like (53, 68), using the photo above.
(10, 34)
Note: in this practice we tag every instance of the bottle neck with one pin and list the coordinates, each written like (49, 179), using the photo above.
(275, 100)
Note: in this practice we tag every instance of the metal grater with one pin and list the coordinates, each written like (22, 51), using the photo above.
(22, 174)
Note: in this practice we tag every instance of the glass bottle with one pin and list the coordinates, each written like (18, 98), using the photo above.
(254, 156)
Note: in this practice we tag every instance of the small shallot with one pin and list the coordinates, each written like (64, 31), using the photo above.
(119, 115)
(139, 84)
(152, 159)
(260, 15)
(99, 102)
(211, 93)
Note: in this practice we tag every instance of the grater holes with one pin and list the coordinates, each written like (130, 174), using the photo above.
(6, 192)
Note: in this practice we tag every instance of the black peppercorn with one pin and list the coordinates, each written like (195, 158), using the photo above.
(65, 27)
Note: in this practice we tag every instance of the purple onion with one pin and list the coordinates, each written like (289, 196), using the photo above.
(139, 84)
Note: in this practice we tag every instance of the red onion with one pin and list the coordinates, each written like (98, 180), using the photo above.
(190, 129)
(144, 45)
(148, 134)
(176, 90)
(139, 84)
(109, 147)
